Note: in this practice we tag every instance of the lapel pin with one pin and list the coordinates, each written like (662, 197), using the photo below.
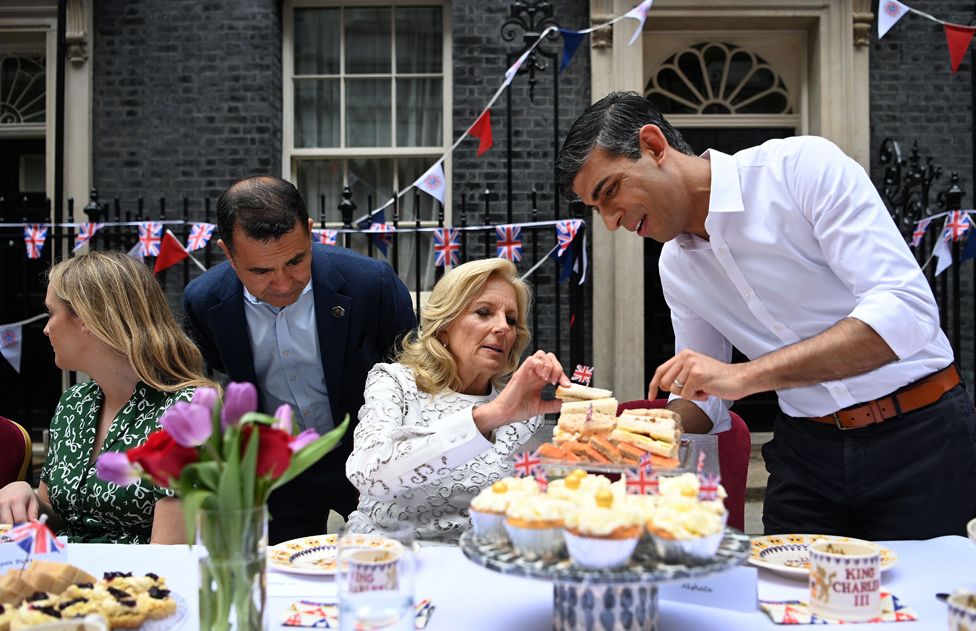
(338, 312)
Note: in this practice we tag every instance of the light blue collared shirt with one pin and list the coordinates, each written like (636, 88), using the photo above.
(285, 346)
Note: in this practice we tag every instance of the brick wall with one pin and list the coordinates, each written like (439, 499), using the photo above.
(481, 57)
(915, 97)
(187, 96)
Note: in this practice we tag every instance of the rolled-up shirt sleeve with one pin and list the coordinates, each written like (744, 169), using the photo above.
(390, 455)
(694, 333)
(852, 225)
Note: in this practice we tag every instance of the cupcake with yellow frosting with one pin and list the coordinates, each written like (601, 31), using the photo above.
(534, 525)
(603, 536)
(684, 530)
(488, 508)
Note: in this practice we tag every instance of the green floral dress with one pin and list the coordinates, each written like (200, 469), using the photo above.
(91, 509)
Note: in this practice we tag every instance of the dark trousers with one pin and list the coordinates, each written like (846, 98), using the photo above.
(910, 477)
(301, 507)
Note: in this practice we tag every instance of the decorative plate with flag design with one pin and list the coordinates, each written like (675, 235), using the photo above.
(317, 555)
(787, 555)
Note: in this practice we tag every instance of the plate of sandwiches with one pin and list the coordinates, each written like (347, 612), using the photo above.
(589, 434)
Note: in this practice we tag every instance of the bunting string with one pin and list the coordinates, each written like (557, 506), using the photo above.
(958, 36)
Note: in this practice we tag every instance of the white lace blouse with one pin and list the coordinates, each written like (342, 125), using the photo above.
(419, 458)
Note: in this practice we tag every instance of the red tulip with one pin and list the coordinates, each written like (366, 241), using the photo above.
(274, 455)
(162, 457)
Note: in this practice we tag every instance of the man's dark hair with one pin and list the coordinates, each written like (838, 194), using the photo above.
(613, 123)
(263, 206)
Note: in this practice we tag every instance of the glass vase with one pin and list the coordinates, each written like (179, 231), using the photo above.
(233, 591)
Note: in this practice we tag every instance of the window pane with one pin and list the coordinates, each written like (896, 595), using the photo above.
(368, 113)
(371, 181)
(317, 41)
(408, 170)
(419, 109)
(367, 40)
(316, 112)
(419, 39)
(23, 89)
(317, 178)
(406, 244)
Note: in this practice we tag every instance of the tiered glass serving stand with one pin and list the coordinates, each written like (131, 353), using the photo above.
(621, 599)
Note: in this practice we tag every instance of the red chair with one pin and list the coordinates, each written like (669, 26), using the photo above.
(734, 447)
(15, 452)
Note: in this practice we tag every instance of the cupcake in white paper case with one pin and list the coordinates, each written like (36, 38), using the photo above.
(605, 535)
(534, 524)
(684, 530)
(488, 508)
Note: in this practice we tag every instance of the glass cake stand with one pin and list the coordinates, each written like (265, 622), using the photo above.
(621, 599)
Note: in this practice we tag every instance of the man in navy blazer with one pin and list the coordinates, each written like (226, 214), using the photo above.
(305, 323)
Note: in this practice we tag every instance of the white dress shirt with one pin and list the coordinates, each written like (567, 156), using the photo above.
(287, 362)
(420, 458)
(798, 240)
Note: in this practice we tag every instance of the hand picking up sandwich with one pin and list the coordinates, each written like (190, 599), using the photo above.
(589, 431)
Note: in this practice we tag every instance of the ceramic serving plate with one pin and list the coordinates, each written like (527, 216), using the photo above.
(317, 555)
(787, 555)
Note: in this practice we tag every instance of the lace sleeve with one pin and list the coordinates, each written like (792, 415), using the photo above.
(401, 443)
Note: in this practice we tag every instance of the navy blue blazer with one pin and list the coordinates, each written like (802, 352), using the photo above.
(361, 309)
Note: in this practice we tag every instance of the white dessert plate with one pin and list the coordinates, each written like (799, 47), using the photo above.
(787, 555)
(317, 555)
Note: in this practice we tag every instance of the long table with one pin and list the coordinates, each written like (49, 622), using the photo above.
(467, 596)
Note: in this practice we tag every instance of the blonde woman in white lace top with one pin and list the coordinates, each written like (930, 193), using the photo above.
(439, 426)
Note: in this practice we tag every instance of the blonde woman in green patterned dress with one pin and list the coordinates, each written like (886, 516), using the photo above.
(108, 319)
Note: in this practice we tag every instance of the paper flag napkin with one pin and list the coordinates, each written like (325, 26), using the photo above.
(325, 615)
(797, 612)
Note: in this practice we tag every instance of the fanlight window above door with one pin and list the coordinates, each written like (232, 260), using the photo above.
(717, 78)
(22, 90)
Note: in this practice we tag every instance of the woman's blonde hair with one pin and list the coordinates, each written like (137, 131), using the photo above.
(120, 302)
(435, 368)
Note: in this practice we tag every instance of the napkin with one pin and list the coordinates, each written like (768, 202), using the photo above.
(798, 612)
(325, 615)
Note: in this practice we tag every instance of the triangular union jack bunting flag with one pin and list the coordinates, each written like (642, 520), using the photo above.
(583, 374)
(34, 237)
(200, 235)
(447, 246)
(509, 244)
(150, 238)
(85, 232)
(957, 224)
(566, 232)
(327, 237)
(919, 231)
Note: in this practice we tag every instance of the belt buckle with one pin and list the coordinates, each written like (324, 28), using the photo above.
(838, 423)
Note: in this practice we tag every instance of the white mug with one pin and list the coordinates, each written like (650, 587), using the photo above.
(845, 580)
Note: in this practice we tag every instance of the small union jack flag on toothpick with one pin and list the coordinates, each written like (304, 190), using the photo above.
(200, 235)
(708, 486)
(701, 462)
(541, 479)
(447, 246)
(34, 537)
(85, 232)
(34, 237)
(509, 243)
(641, 480)
(526, 463)
(583, 374)
(150, 238)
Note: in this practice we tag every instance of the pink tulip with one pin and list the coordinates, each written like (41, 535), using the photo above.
(114, 466)
(188, 424)
(302, 440)
(239, 399)
(283, 417)
(206, 397)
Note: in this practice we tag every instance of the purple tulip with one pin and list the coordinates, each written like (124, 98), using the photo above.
(188, 424)
(239, 399)
(115, 467)
(302, 440)
(206, 397)
(283, 417)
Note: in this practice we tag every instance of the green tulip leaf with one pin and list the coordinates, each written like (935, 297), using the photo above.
(312, 453)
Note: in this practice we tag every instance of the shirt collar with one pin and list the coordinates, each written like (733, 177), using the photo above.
(257, 301)
(726, 193)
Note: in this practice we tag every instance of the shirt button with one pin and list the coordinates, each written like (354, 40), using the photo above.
(285, 353)
(292, 377)
(451, 439)
(304, 412)
(747, 293)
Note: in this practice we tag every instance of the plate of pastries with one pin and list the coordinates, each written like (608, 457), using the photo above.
(590, 434)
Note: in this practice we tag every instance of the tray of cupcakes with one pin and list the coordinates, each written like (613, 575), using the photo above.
(586, 527)
(47, 591)
(590, 435)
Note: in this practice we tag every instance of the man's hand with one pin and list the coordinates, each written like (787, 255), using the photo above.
(695, 377)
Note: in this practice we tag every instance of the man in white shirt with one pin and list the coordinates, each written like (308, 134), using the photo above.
(786, 252)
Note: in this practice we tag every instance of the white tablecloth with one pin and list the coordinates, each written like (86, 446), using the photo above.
(470, 597)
